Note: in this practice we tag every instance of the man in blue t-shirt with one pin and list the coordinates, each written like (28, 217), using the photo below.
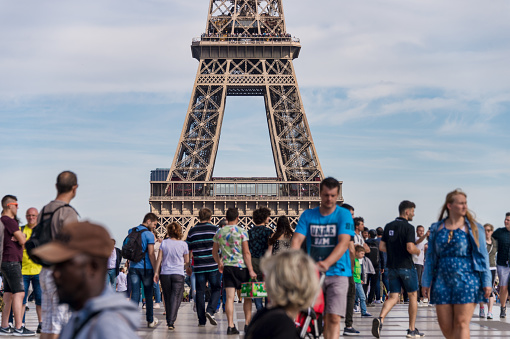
(328, 230)
(143, 271)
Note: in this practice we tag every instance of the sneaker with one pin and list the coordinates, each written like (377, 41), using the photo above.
(357, 309)
(376, 327)
(378, 302)
(366, 315)
(490, 315)
(171, 327)
(211, 318)
(22, 332)
(38, 329)
(414, 334)
(232, 330)
(503, 312)
(156, 305)
(350, 331)
(201, 325)
(482, 312)
(6, 331)
(153, 323)
(143, 306)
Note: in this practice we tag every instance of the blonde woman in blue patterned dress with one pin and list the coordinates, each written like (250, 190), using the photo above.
(456, 273)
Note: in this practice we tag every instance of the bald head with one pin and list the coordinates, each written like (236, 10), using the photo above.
(31, 216)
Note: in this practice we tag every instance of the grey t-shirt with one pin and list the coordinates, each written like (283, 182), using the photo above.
(63, 216)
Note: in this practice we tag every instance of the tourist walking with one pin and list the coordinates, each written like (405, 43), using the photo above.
(258, 244)
(327, 230)
(142, 272)
(173, 259)
(502, 235)
(360, 293)
(200, 243)
(492, 249)
(281, 238)
(421, 241)
(235, 264)
(398, 242)
(456, 273)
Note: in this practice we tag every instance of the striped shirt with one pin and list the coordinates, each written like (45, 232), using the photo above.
(200, 242)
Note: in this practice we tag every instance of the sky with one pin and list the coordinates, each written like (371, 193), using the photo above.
(405, 99)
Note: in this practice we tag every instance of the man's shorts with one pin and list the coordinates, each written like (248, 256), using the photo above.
(13, 280)
(235, 276)
(406, 278)
(54, 315)
(335, 294)
(503, 274)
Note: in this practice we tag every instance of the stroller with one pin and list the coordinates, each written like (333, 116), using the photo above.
(309, 322)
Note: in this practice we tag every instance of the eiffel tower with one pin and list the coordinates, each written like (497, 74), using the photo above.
(245, 51)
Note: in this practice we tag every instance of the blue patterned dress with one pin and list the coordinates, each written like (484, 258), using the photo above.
(456, 281)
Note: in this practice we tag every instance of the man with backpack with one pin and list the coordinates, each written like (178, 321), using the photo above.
(52, 219)
(138, 248)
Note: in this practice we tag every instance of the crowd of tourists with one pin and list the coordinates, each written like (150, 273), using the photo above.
(81, 286)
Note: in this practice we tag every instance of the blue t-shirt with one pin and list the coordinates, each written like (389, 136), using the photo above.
(147, 238)
(322, 234)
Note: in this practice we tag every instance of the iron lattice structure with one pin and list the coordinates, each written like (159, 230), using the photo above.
(245, 51)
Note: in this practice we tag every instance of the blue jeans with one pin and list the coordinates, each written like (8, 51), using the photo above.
(143, 276)
(111, 277)
(193, 286)
(386, 282)
(360, 294)
(215, 284)
(403, 278)
(157, 293)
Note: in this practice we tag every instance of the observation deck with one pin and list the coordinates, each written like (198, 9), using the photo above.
(257, 46)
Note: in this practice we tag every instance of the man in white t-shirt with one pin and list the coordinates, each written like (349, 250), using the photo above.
(419, 260)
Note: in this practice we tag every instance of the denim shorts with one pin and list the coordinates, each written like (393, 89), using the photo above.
(13, 280)
(406, 278)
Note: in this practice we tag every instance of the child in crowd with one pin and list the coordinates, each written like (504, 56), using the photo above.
(360, 293)
(122, 281)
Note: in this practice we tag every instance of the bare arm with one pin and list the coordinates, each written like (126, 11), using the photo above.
(215, 251)
(412, 249)
(339, 250)
(351, 253)
(382, 246)
(247, 259)
(157, 267)
(365, 246)
(297, 241)
(186, 260)
(423, 237)
(19, 237)
(152, 256)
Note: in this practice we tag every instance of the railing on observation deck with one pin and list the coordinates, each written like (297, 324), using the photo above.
(246, 190)
(245, 39)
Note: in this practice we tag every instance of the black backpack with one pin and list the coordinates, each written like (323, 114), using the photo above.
(41, 235)
(132, 248)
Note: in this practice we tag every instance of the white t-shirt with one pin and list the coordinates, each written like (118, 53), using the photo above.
(173, 256)
(420, 259)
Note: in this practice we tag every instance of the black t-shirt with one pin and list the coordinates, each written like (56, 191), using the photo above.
(502, 235)
(271, 323)
(396, 236)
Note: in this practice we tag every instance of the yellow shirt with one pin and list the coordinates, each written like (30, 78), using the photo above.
(28, 266)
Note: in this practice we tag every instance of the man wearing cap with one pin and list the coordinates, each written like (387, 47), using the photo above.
(79, 255)
(54, 314)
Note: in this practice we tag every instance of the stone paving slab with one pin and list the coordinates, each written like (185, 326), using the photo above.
(395, 325)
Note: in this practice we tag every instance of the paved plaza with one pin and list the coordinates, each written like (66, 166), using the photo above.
(395, 325)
